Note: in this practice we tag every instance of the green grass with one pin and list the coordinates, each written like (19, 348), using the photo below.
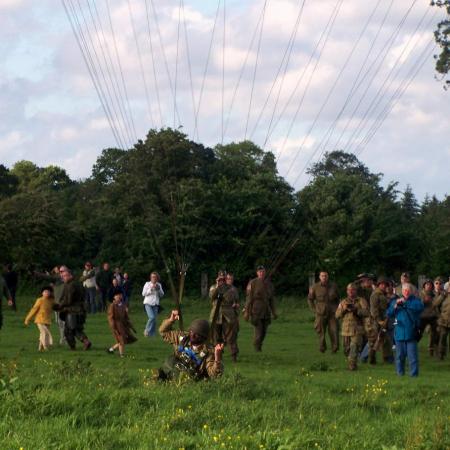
(288, 397)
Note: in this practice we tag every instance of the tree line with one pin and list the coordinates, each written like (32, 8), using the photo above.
(174, 205)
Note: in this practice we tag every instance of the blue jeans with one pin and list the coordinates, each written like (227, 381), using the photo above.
(152, 313)
(403, 350)
(89, 298)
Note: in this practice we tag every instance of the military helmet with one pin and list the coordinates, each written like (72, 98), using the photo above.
(352, 286)
(439, 279)
(428, 280)
(200, 327)
(382, 280)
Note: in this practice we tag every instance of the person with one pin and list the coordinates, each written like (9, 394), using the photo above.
(90, 287)
(260, 306)
(11, 280)
(224, 316)
(113, 289)
(119, 322)
(42, 309)
(441, 303)
(127, 287)
(57, 284)
(323, 301)
(4, 292)
(71, 307)
(352, 310)
(192, 356)
(405, 278)
(365, 283)
(103, 280)
(152, 293)
(118, 275)
(406, 312)
(378, 308)
(429, 316)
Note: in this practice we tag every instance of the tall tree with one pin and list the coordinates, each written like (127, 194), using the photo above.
(442, 36)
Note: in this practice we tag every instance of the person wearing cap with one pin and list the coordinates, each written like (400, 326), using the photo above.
(71, 308)
(378, 307)
(441, 304)
(192, 356)
(365, 284)
(260, 306)
(90, 287)
(323, 300)
(406, 312)
(224, 317)
(405, 278)
(429, 315)
(351, 311)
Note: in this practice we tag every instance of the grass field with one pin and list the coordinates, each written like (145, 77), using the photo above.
(288, 397)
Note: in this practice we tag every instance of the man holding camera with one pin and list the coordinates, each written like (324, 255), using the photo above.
(352, 311)
(225, 311)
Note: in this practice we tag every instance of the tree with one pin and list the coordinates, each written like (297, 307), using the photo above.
(442, 37)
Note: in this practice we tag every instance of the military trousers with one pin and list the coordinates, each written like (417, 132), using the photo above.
(260, 331)
(434, 335)
(227, 332)
(352, 347)
(442, 346)
(321, 324)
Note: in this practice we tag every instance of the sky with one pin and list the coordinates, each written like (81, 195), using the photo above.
(298, 77)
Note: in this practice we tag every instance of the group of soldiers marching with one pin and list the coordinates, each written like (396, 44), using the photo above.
(365, 323)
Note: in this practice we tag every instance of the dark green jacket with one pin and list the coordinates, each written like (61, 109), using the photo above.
(72, 299)
(104, 279)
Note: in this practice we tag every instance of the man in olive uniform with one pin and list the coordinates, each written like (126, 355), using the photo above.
(4, 292)
(352, 311)
(323, 301)
(192, 356)
(365, 287)
(71, 307)
(260, 306)
(429, 315)
(441, 303)
(224, 313)
(378, 311)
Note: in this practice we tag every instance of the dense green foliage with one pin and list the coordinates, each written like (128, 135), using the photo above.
(170, 204)
(442, 37)
(288, 397)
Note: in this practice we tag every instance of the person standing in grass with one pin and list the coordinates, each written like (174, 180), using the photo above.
(260, 306)
(152, 293)
(43, 309)
(352, 311)
(406, 312)
(120, 324)
(323, 301)
(441, 304)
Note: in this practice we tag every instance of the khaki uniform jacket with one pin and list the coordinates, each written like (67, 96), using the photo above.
(323, 299)
(442, 305)
(429, 311)
(260, 302)
(226, 311)
(352, 322)
(208, 368)
(378, 306)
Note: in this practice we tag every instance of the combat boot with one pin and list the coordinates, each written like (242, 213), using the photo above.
(352, 365)
(372, 357)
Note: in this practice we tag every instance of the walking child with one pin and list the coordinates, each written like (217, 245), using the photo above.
(43, 310)
(120, 324)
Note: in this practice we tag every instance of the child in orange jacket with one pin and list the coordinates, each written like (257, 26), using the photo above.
(43, 310)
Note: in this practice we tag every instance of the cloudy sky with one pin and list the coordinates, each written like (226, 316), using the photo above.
(299, 77)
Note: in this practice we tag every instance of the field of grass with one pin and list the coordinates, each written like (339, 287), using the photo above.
(287, 397)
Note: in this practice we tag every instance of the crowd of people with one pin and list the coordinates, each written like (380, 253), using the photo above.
(375, 316)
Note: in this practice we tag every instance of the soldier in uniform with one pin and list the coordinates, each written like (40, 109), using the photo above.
(260, 306)
(365, 282)
(352, 311)
(224, 315)
(378, 309)
(405, 278)
(71, 307)
(323, 301)
(192, 356)
(441, 303)
(428, 315)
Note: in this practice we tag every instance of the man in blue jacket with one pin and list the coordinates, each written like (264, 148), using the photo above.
(406, 312)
